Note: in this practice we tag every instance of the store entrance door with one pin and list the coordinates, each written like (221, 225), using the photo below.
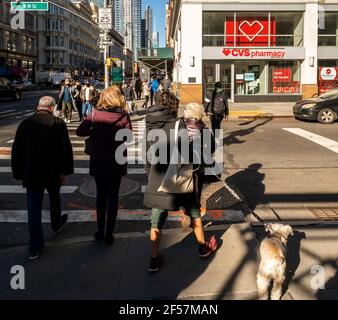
(224, 73)
(225, 79)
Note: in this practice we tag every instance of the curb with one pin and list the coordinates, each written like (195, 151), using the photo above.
(262, 117)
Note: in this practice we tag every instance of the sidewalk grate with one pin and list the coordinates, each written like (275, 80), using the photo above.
(325, 213)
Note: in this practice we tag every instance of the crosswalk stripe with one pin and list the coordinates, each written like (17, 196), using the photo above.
(131, 171)
(7, 111)
(9, 189)
(131, 159)
(322, 141)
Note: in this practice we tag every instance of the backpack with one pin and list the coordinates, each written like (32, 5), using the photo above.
(220, 104)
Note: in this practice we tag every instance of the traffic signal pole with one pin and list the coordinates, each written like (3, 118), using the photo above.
(106, 53)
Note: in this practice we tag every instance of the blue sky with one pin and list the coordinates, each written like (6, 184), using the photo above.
(159, 16)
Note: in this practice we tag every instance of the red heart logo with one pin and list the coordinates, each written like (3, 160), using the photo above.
(226, 51)
(328, 71)
(251, 29)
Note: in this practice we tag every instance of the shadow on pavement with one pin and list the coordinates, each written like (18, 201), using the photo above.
(232, 137)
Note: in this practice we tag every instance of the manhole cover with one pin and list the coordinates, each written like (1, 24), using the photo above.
(325, 213)
(215, 195)
(128, 186)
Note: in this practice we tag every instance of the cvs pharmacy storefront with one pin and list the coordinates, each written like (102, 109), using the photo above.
(257, 56)
(254, 74)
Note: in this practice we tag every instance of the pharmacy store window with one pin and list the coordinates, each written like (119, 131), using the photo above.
(284, 77)
(250, 77)
(253, 29)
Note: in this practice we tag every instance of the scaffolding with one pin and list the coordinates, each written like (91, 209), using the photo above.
(156, 60)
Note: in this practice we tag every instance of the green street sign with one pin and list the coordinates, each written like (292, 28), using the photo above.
(30, 6)
(117, 75)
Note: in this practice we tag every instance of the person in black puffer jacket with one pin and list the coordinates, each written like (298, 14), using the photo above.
(164, 117)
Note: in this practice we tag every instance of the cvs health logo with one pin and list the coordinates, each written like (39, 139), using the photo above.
(236, 52)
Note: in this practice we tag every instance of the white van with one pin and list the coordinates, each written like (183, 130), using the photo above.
(58, 77)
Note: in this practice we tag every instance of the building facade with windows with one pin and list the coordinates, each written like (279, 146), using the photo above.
(259, 50)
(18, 48)
(68, 38)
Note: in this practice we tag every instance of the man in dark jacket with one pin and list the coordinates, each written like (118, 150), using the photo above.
(129, 96)
(42, 157)
(138, 88)
(216, 106)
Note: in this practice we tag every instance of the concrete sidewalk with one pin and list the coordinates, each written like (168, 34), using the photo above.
(85, 269)
(252, 110)
(90, 270)
(261, 110)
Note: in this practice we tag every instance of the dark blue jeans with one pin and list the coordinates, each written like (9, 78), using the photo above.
(107, 201)
(34, 206)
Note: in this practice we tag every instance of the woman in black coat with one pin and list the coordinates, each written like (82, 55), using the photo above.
(102, 126)
(164, 117)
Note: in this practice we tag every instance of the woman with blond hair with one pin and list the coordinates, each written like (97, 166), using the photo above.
(101, 126)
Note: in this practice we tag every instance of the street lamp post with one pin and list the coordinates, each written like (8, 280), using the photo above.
(106, 53)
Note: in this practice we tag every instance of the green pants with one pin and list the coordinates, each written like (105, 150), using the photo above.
(159, 216)
(67, 110)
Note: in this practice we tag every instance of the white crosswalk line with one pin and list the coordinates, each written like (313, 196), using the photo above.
(9, 189)
(7, 111)
(134, 147)
(132, 171)
(322, 141)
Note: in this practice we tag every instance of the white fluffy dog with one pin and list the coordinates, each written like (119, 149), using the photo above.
(273, 261)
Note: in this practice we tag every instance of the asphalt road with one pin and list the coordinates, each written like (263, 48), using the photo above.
(270, 166)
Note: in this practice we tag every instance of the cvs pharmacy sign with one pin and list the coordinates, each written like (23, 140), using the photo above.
(277, 53)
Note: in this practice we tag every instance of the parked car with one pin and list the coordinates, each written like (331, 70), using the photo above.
(8, 90)
(323, 108)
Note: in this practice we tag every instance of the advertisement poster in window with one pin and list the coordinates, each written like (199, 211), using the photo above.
(282, 75)
(283, 82)
(328, 79)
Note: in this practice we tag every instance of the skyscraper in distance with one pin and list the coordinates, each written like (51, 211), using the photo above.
(128, 22)
(137, 25)
(156, 39)
(148, 16)
(143, 33)
(119, 16)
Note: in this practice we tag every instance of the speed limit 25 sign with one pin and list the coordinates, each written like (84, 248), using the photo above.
(105, 18)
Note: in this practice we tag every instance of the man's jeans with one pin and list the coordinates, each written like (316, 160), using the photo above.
(86, 108)
(34, 206)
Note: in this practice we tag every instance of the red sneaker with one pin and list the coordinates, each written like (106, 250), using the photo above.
(210, 246)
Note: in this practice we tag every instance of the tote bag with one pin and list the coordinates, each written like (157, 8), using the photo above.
(178, 177)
